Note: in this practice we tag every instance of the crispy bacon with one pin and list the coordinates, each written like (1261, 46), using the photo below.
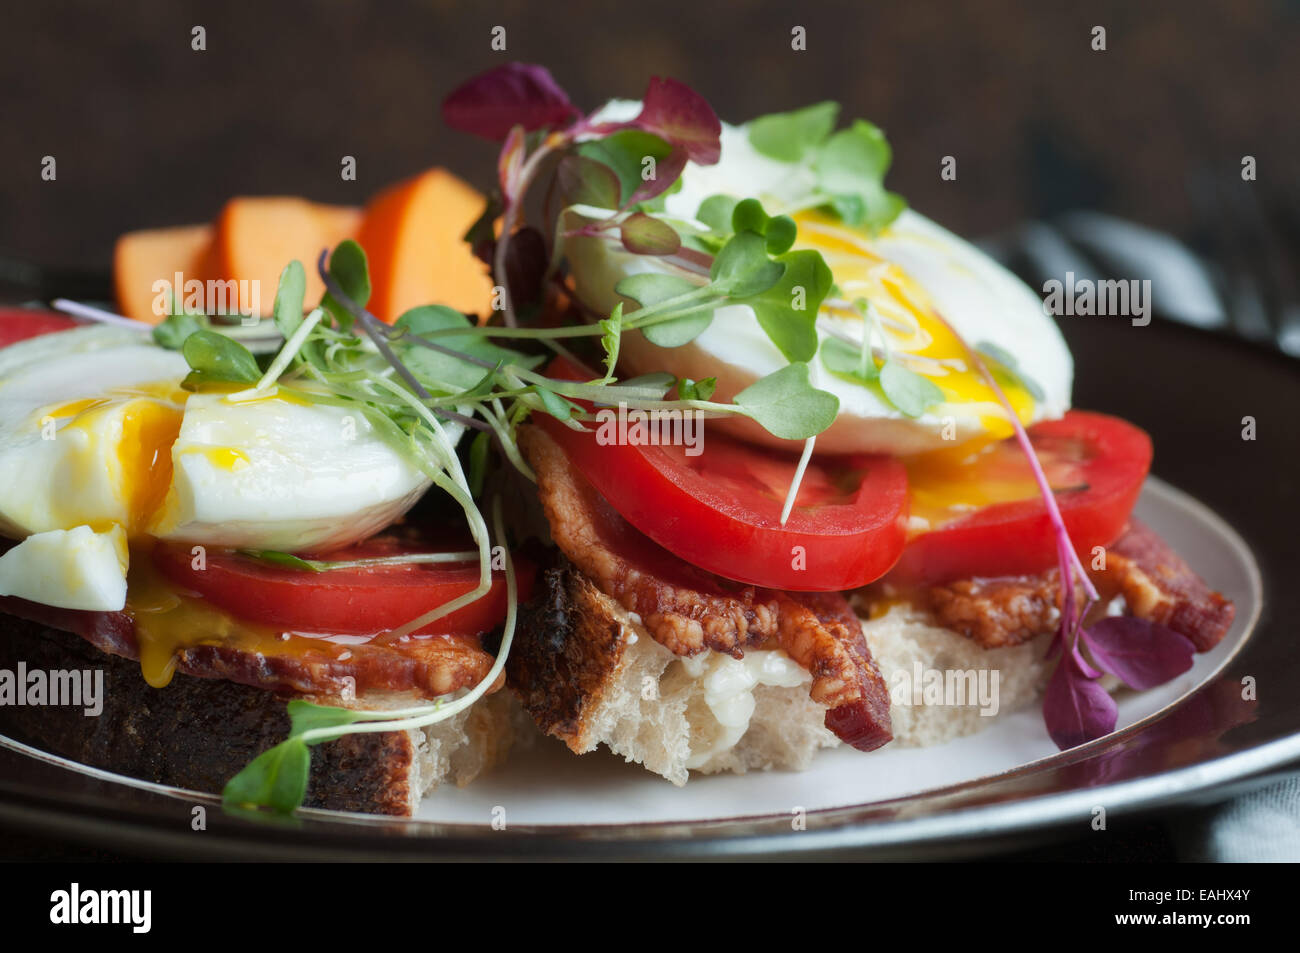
(995, 613)
(688, 610)
(431, 666)
(1154, 581)
(1158, 585)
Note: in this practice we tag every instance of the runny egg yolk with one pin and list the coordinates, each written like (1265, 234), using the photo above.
(944, 485)
(913, 325)
(145, 454)
(149, 423)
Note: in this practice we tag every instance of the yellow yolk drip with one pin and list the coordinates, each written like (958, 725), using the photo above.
(141, 464)
(148, 432)
(946, 484)
(910, 320)
(74, 407)
(168, 621)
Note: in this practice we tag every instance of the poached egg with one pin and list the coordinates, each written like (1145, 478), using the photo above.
(100, 446)
(922, 281)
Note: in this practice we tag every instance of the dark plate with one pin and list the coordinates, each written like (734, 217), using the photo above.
(1189, 389)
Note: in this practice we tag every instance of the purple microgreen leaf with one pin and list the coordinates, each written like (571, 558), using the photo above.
(667, 171)
(516, 94)
(1139, 653)
(1076, 708)
(683, 117)
(584, 181)
(646, 235)
(680, 116)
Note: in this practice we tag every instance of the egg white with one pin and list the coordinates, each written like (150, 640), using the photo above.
(70, 569)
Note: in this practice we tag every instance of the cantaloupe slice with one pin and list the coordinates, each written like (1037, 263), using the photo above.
(257, 236)
(413, 236)
(142, 258)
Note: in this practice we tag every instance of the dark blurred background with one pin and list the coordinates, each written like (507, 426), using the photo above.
(148, 132)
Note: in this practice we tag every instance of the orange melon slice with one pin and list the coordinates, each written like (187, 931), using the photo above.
(413, 236)
(143, 258)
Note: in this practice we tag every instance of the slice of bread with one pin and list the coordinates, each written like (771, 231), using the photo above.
(197, 733)
(589, 673)
(902, 639)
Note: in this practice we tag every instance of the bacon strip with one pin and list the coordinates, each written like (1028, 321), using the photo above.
(688, 610)
(431, 666)
(1155, 582)
(1158, 585)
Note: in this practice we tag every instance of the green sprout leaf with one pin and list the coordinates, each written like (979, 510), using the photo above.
(215, 357)
(649, 289)
(288, 298)
(791, 136)
(561, 408)
(908, 391)
(748, 216)
(305, 716)
(787, 311)
(716, 212)
(176, 327)
(688, 389)
(348, 267)
(276, 778)
(277, 558)
(779, 233)
(742, 268)
(851, 169)
(787, 405)
(846, 362)
(625, 152)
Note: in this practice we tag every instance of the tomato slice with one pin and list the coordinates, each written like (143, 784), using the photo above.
(362, 601)
(721, 510)
(18, 324)
(1095, 464)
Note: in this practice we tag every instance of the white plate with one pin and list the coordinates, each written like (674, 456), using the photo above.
(550, 786)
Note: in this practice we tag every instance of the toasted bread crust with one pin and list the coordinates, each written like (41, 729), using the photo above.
(195, 733)
(569, 648)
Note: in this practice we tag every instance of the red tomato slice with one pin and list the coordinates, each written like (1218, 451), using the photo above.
(1094, 463)
(18, 324)
(721, 510)
(345, 601)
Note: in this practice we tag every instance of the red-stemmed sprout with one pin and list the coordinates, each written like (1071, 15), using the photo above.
(1077, 708)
